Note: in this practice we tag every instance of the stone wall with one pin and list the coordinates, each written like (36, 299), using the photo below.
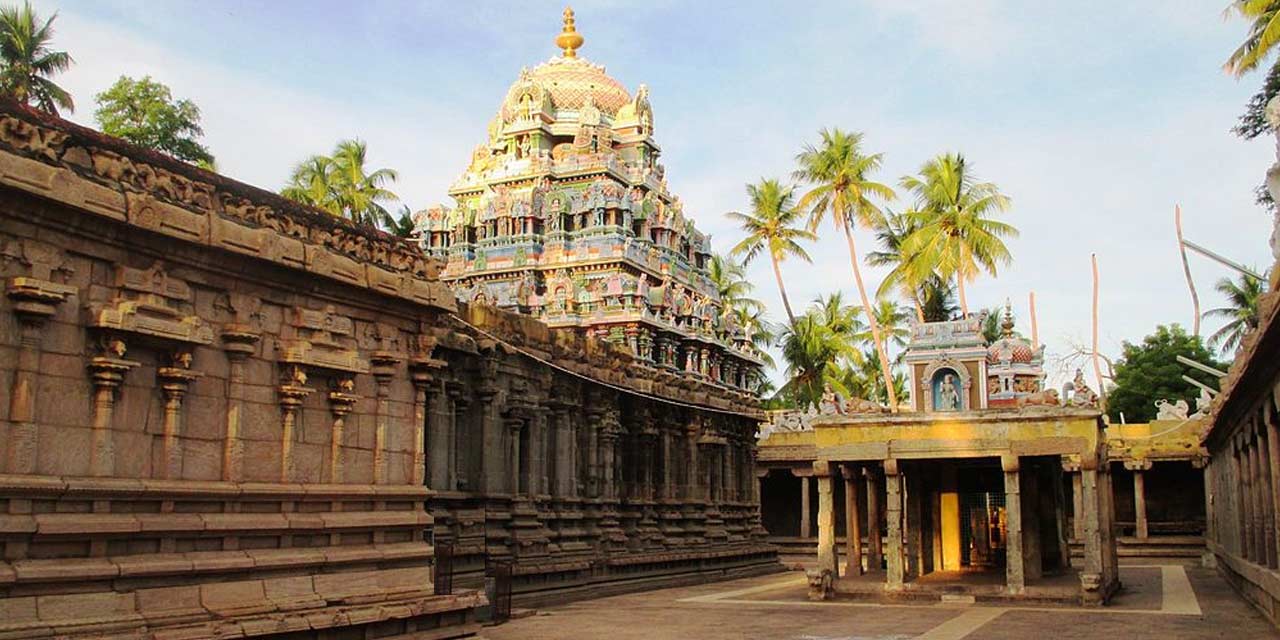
(227, 414)
(1242, 479)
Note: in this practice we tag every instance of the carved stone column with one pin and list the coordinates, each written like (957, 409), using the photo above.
(383, 368)
(342, 400)
(513, 427)
(107, 371)
(1015, 580)
(894, 560)
(805, 530)
(239, 343)
(174, 381)
(826, 519)
(421, 377)
(875, 543)
(293, 391)
(34, 302)
(852, 526)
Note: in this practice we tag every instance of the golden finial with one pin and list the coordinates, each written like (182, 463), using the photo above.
(569, 38)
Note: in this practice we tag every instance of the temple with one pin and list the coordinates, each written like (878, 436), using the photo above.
(974, 491)
(564, 214)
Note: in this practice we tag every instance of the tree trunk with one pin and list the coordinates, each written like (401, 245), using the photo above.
(871, 318)
(782, 290)
(964, 303)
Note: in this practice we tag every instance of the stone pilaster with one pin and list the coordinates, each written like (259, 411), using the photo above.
(1015, 578)
(174, 381)
(239, 342)
(342, 401)
(293, 391)
(107, 371)
(384, 365)
(34, 301)
(894, 561)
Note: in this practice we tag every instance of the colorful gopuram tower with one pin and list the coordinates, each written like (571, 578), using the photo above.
(564, 214)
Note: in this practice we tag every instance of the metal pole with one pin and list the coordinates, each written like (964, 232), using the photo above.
(1229, 263)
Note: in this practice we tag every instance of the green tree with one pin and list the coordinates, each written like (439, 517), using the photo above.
(1240, 314)
(890, 234)
(731, 283)
(402, 225)
(840, 174)
(815, 348)
(772, 225)
(1264, 33)
(27, 62)
(1150, 371)
(893, 323)
(958, 235)
(343, 186)
(937, 299)
(145, 113)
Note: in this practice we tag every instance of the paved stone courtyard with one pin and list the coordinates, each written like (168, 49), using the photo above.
(1164, 600)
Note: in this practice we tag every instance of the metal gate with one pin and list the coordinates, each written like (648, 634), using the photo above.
(500, 572)
(444, 568)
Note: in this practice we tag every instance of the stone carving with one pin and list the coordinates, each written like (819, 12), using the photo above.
(1204, 404)
(821, 584)
(1046, 398)
(150, 302)
(1079, 393)
(1166, 410)
(36, 140)
(323, 339)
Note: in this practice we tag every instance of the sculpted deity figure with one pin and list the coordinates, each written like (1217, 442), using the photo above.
(948, 395)
(1166, 410)
(830, 404)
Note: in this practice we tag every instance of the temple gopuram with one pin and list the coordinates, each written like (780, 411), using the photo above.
(564, 214)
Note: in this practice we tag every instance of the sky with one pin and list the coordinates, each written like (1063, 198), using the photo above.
(1095, 117)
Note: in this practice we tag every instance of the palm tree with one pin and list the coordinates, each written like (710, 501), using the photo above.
(361, 193)
(27, 62)
(893, 322)
(840, 174)
(341, 185)
(772, 225)
(1241, 312)
(937, 299)
(403, 225)
(957, 234)
(889, 234)
(1264, 32)
(313, 183)
(730, 280)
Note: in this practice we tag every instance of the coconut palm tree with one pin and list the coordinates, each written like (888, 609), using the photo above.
(889, 234)
(361, 192)
(772, 225)
(937, 299)
(1264, 33)
(730, 280)
(27, 62)
(840, 175)
(341, 185)
(957, 236)
(313, 182)
(402, 225)
(893, 322)
(1241, 312)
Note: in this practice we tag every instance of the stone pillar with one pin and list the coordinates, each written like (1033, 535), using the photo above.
(513, 427)
(875, 552)
(34, 302)
(341, 402)
(805, 531)
(1014, 568)
(1266, 494)
(1139, 468)
(668, 466)
(565, 483)
(383, 369)
(421, 377)
(1246, 498)
(914, 518)
(894, 564)
(1273, 467)
(495, 453)
(1091, 574)
(292, 392)
(826, 519)
(239, 343)
(1077, 503)
(852, 526)
(108, 372)
(692, 490)
(174, 381)
(1259, 511)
